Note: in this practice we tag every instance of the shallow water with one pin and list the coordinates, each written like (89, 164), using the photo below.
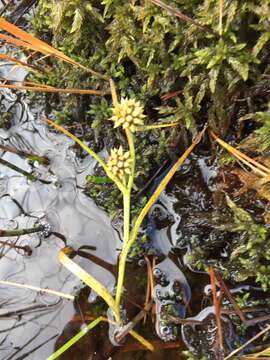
(61, 204)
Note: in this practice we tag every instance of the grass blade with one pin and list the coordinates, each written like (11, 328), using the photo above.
(251, 163)
(35, 288)
(26, 40)
(90, 152)
(142, 340)
(156, 126)
(88, 280)
(89, 327)
(42, 88)
(163, 185)
(76, 338)
(18, 62)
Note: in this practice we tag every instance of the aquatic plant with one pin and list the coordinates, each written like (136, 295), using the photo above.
(120, 168)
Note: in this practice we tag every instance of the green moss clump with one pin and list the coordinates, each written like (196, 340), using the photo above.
(159, 53)
(248, 251)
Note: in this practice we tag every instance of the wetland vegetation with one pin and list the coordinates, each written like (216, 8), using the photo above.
(134, 181)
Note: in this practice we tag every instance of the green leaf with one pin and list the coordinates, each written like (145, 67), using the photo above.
(199, 97)
(241, 68)
(77, 21)
(98, 179)
(213, 76)
(260, 43)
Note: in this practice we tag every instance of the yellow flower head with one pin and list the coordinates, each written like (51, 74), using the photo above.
(128, 114)
(119, 162)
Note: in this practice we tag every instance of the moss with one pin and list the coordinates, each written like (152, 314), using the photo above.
(248, 249)
(158, 52)
(180, 72)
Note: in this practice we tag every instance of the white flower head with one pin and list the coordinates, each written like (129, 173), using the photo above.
(119, 162)
(128, 114)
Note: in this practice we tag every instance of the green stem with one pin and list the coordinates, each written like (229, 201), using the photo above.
(33, 157)
(20, 232)
(120, 186)
(126, 206)
(29, 176)
(122, 261)
(156, 126)
(133, 158)
(136, 227)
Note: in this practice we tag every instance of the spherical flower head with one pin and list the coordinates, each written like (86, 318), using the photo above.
(119, 162)
(128, 114)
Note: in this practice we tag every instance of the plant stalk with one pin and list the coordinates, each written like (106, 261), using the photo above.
(126, 206)
(20, 232)
(133, 235)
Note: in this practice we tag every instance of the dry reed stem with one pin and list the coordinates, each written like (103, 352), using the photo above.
(216, 306)
(267, 328)
(253, 164)
(35, 288)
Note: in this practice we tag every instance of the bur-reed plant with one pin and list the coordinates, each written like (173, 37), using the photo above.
(120, 168)
(128, 114)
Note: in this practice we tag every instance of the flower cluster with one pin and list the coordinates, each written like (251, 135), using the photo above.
(128, 114)
(119, 162)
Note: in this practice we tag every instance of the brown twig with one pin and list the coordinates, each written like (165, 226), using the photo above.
(216, 306)
(129, 326)
(267, 328)
(230, 297)
(25, 248)
(41, 159)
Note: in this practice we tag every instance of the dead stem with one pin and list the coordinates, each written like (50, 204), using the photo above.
(25, 248)
(267, 328)
(125, 330)
(216, 306)
(230, 297)
(251, 163)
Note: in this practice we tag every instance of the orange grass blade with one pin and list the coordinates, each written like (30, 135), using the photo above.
(253, 164)
(18, 62)
(27, 83)
(12, 40)
(163, 185)
(55, 90)
(26, 40)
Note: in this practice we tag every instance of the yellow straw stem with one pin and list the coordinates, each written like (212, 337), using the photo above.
(259, 168)
(35, 288)
(88, 280)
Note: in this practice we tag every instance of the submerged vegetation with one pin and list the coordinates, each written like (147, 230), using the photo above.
(138, 81)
